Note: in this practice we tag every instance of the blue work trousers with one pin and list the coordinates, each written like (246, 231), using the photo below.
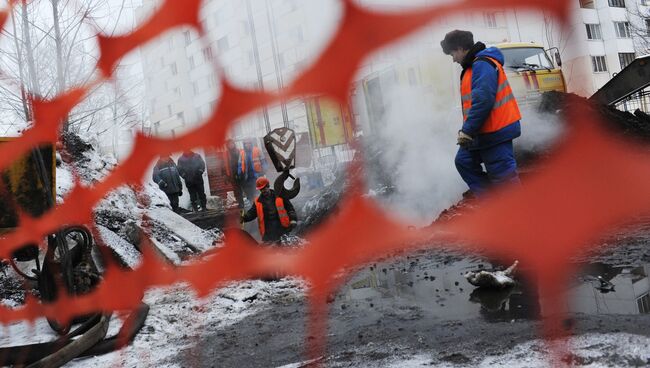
(499, 161)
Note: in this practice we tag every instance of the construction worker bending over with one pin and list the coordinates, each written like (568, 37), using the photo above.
(490, 114)
(165, 174)
(275, 215)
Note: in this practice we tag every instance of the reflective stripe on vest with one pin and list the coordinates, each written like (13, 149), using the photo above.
(257, 160)
(282, 214)
(505, 110)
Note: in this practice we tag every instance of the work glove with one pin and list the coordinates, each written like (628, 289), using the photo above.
(162, 184)
(464, 139)
(241, 218)
(292, 225)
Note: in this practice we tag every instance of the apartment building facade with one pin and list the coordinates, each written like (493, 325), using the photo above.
(266, 43)
(242, 38)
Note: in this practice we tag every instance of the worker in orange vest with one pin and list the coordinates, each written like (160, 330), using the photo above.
(275, 215)
(250, 166)
(491, 117)
(230, 166)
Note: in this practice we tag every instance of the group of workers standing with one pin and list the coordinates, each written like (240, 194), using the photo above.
(167, 174)
(491, 121)
(244, 169)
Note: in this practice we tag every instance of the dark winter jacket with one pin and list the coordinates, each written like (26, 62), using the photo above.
(274, 230)
(191, 167)
(231, 163)
(484, 91)
(249, 155)
(165, 174)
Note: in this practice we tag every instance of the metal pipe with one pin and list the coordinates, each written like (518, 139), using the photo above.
(258, 66)
(276, 63)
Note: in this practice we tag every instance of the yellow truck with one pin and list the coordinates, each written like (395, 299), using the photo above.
(531, 71)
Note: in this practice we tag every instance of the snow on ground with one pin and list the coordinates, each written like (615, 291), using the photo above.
(124, 249)
(187, 231)
(592, 350)
(178, 320)
(23, 333)
(166, 251)
(64, 182)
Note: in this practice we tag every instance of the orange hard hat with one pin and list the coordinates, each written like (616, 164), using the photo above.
(261, 182)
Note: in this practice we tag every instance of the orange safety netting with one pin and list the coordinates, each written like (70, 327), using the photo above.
(542, 224)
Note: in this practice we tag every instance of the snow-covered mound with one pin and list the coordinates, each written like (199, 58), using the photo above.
(128, 209)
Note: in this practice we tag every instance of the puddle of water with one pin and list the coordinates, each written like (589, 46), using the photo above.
(604, 289)
(439, 290)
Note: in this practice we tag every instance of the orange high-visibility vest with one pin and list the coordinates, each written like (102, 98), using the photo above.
(282, 214)
(257, 160)
(505, 110)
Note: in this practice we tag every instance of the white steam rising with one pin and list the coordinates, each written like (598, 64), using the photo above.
(538, 130)
(419, 144)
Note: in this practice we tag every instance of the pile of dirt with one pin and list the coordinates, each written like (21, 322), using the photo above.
(74, 146)
(634, 126)
(326, 202)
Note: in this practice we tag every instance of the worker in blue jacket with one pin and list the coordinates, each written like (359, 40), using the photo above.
(491, 116)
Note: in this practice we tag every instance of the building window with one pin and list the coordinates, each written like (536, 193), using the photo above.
(644, 304)
(169, 110)
(245, 29)
(177, 91)
(413, 80)
(174, 69)
(207, 54)
(622, 29)
(599, 64)
(199, 114)
(170, 43)
(251, 57)
(156, 127)
(181, 117)
(222, 44)
(645, 2)
(617, 3)
(593, 32)
(291, 5)
(297, 35)
(647, 26)
(195, 87)
(188, 37)
(490, 20)
(192, 62)
(587, 4)
(626, 58)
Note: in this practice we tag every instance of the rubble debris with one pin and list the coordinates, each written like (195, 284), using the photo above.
(492, 279)
(127, 254)
(631, 126)
(196, 239)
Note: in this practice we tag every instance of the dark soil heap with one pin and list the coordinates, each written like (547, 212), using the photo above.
(634, 126)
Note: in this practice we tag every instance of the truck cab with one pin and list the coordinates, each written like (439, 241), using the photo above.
(531, 71)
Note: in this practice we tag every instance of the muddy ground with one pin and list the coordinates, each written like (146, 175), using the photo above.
(421, 306)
